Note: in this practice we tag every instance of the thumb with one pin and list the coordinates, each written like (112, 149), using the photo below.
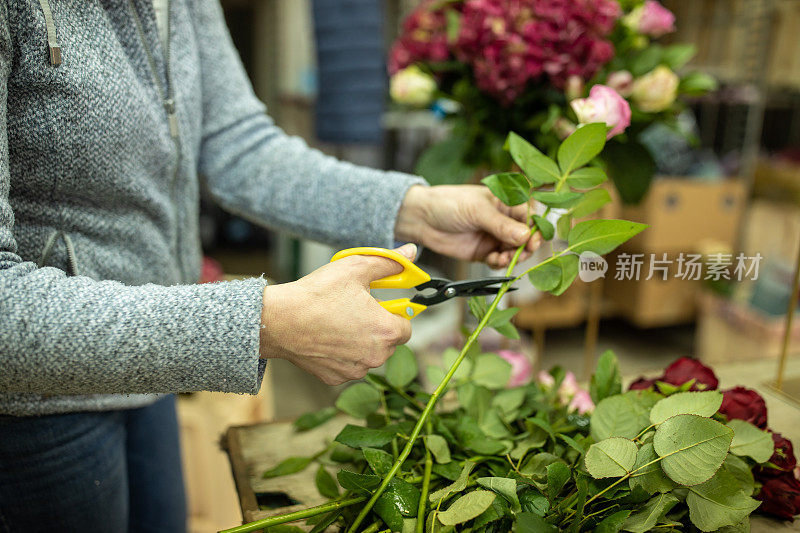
(504, 228)
(374, 267)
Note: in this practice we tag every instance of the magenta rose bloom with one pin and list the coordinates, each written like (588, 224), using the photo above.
(783, 458)
(509, 43)
(521, 367)
(642, 384)
(686, 369)
(780, 496)
(744, 404)
(424, 37)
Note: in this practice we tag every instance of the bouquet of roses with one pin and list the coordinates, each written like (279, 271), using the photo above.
(541, 68)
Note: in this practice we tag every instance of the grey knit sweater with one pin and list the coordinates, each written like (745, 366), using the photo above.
(99, 242)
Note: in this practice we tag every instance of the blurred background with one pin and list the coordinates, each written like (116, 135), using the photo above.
(727, 182)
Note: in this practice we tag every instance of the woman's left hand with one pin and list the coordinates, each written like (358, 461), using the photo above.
(465, 222)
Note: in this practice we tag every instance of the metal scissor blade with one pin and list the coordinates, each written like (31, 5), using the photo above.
(446, 290)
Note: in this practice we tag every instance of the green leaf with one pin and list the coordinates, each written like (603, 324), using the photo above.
(646, 60)
(557, 199)
(512, 188)
(359, 400)
(453, 25)
(742, 527)
(292, 465)
(284, 528)
(456, 486)
(606, 380)
(534, 502)
(449, 357)
(545, 227)
(612, 523)
(586, 178)
(602, 236)
(533, 163)
(401, 367)
(719, 502)
(650, 513)
(692, 448)
(389, 514)
(478, 306)
(557, 476)
(505, 487)
(326, 485)
(750, 441)
(491, 371)
(437, 445)
(631, 167)
(444, 163)
(624, 415)
(499, 509)
(402, 496)
(361, 437)
(686, 403)
(568, 264)
(649, 478)
(507, 401)
(501, 321)
(740, 469)
(531, 523)
(378, 460)
(591, 202)
(311, 420)
(363, 483)
(582, 146)
(467, 507)
(678, 55)
(564, 226)
(612, 457)
(697, 84)
(546, 277)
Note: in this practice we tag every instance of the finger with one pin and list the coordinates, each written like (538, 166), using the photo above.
(503, 228)
(534, 242)
(369, 268)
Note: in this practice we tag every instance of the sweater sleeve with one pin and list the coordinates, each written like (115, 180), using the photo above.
(254, 169)
(75, 335)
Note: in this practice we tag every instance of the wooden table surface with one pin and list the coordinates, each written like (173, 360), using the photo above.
(254, 449)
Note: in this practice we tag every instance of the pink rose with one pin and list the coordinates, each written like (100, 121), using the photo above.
(621, 81)
(603, 105)
(569, 387)
(545, 379)
(581, 402)
(656, 20)
(521, 367)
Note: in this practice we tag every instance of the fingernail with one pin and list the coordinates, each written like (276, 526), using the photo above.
(409, 250)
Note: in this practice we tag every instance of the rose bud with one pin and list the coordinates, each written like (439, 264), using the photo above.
(744, 404)
(604, 104)
(685, 369)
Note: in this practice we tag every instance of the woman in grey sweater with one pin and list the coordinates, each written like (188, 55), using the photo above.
(107, 131)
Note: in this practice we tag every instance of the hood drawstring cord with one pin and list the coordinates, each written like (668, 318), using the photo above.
(52, 39)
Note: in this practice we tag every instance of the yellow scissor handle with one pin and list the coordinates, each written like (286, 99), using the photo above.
(410, 277)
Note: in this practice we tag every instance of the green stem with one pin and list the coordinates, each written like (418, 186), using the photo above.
(423, 417)
(373, 528)
(297, 515)
(426, 482)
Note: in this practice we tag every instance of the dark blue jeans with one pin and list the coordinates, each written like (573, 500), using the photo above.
(116, 471)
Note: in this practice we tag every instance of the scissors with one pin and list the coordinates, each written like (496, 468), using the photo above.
(413, 277)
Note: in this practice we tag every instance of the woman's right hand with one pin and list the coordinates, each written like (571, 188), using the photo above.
(328, 324)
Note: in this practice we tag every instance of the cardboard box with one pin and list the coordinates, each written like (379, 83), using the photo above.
(684, 212)
(729, 331)
(653, 302)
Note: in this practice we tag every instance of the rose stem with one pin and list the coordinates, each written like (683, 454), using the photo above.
(297, 515)
(426, 482)
(434, 397)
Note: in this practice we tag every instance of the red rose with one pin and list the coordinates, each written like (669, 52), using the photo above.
(642, 384)
(685, 369)
(744, 404)
(783, 458)
(780, 496)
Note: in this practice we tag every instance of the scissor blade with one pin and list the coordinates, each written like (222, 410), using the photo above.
(446, 290)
